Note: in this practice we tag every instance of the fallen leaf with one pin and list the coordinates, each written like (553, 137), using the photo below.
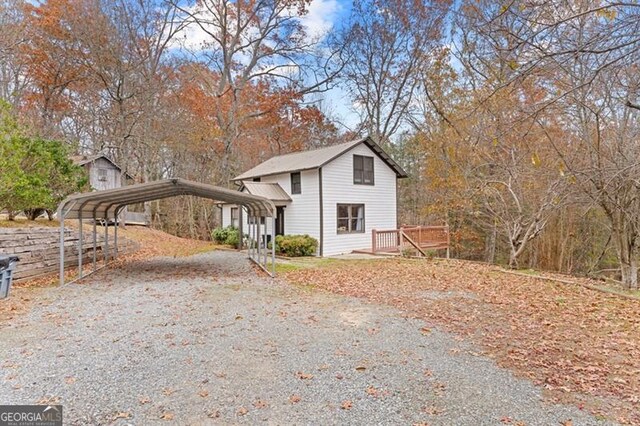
(122, 415)
(432, 410)
(294, 399)
(304, 376)
(204, 393)
(346, 405)
(260, 404)
(167, 416)
(242, 411)
(144, 400)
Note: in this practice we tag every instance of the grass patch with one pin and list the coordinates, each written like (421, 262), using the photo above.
(283, 268)
(531, 272)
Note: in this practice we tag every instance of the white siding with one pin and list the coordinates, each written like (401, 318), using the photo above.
(226, 217)
(338, 188)
(302, 214)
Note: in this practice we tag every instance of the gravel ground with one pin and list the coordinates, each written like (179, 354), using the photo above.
(205, 339)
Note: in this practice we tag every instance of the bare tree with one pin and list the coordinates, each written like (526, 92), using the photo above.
(247, 42)
(13, 78)
(389, 44)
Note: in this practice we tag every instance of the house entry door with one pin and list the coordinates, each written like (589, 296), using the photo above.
(280, 220)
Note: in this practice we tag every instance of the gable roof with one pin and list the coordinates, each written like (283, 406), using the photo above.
(81, 160)
(271, 191)
(312, 159)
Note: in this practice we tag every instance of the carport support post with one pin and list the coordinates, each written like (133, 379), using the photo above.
(80, 243)
(258, 242)
(94, 244)
(273, 246)
(264, 252)
(106, 240)
(115, 234)
(240, 228)
(251, 237)
(61, 219)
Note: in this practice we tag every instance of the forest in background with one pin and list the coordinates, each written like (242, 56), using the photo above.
(517, 120)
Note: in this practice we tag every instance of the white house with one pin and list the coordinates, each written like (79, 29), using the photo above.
(336, 194)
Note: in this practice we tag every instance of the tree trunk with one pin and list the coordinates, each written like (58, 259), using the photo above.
(629, 269)
(490, 251)
(513, 257)
(628, 256)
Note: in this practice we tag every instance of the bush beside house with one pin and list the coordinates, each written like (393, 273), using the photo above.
(296, 245)
(227, 235)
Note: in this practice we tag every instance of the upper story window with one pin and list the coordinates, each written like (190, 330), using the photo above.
(256, 179)
(296, 183)
(362, 170)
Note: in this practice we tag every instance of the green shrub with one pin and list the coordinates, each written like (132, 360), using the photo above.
(233, 238)
(296, 245)
(229, 235)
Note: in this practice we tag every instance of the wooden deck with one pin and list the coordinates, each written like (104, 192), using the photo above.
(409, 238)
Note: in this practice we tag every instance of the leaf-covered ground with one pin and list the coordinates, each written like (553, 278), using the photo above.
(581, 345)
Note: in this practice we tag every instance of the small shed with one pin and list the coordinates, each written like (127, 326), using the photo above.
(103, 172)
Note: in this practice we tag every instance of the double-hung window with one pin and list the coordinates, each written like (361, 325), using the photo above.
(363, 170)
(350, 218)
(296, 183)
(235, 217)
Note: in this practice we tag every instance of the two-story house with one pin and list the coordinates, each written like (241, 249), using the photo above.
(336, 194)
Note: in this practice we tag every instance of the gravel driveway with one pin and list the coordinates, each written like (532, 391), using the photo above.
(205, 339)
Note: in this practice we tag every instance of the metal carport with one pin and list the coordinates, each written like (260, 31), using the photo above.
(107, 204)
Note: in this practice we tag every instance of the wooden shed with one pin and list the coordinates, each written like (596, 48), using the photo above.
(103, 172)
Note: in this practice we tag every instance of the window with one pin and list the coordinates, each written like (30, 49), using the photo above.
(296, 183)
(362, 170)
(235, 217)
(102, 175)
(253, 221)
(350, 218)
(256, 179)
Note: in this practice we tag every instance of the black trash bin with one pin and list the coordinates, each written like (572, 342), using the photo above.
(7, 266)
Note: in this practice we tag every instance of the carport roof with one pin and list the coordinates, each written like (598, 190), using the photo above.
(104, 204)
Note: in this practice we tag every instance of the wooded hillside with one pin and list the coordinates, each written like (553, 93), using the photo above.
(518, 120)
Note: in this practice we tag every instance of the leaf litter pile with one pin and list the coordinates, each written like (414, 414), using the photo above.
(580, 345)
